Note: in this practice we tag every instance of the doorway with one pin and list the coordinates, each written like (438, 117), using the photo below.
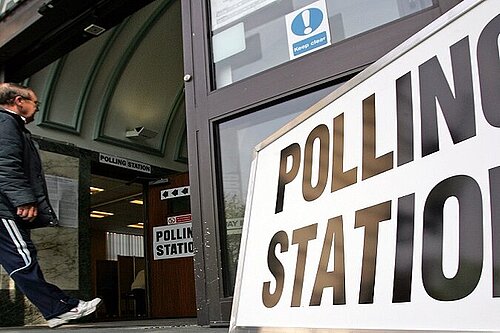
(117, 246)
(131, 280)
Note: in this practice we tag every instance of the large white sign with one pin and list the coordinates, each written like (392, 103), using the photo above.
(379, 207)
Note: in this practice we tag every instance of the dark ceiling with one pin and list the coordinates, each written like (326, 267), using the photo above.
(116, 199)
(38, 32)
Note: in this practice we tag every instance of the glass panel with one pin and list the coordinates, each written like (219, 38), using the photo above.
(237, 138)
(57, 247)
(250, 36)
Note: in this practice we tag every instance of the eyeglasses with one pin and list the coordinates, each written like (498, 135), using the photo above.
(37, 103)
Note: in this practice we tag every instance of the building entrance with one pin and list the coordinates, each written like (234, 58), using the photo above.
(142, 248)
(117, 218)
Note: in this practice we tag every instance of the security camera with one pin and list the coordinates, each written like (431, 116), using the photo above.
(141, 132)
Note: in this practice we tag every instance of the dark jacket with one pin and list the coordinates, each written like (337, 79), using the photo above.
(21, 176)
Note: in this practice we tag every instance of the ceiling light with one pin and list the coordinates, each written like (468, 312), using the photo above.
(137, 202)
(99, 215)
(139, 225)
(94, 190)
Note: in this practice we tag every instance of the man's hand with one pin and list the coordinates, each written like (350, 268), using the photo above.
(27, 212)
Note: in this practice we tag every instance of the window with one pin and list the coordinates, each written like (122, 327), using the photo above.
(123, 245)
(58, 247)
(251, 36)
(237, 138)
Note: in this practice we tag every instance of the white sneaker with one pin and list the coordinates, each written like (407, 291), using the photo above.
(83, 309)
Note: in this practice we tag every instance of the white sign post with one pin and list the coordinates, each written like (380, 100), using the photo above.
(379, 207)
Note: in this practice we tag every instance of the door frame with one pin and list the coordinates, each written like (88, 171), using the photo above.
(206, 107)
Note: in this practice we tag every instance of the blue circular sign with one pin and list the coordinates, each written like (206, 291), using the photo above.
(307, 21)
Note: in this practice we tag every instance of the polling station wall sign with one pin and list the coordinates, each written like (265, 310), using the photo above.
(174, 240)
(379, 207)
(124, 163)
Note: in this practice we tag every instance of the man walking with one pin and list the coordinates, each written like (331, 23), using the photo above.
(23, 203)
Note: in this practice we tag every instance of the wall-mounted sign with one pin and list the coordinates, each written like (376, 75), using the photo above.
(234, 226)
(379, 207)
(179, 219)
(227, 11)
(174, 240)
(307, 29)
(124, 163)
(63, 195)
(175, 193)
